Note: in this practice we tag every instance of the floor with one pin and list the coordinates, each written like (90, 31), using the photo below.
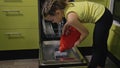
(34, 63)
(23, 63)
(109, 64)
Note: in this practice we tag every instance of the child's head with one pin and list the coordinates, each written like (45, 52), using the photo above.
(52, 10)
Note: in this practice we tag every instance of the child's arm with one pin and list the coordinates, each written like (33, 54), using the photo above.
(72, 20)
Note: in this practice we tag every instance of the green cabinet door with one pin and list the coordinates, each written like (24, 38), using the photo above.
(18, 17)
(18, 39)
(18, 3)
(114, 41)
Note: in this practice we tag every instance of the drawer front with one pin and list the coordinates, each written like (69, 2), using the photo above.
(18, 2)
(19, 39)
(18, 17)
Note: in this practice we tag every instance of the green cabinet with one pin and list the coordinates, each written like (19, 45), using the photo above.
(19, 24)
(114, 41)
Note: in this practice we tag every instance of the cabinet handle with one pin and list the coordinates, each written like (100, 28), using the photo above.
(12, 12)
(12, 0)
(14, 35)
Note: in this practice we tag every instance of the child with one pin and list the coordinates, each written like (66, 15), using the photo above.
(77, 13)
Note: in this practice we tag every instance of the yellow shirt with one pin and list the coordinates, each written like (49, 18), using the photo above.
(88, 12)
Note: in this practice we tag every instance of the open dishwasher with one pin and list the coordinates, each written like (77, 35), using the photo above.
(50, 55)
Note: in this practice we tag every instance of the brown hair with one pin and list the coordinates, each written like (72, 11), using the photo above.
(50, 6)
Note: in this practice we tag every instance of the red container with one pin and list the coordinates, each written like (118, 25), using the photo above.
(68, 41)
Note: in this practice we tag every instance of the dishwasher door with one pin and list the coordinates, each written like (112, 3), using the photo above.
(48, 56)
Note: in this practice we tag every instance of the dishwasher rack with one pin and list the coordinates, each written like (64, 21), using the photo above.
(51, 30)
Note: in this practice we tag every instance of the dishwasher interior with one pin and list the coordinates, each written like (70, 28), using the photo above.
(49, 45)
(49, 55)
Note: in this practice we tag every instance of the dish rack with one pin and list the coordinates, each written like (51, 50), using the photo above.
(51, 30)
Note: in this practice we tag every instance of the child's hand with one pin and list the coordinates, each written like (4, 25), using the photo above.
(68, 41)
(65, 30)
(77, 43)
